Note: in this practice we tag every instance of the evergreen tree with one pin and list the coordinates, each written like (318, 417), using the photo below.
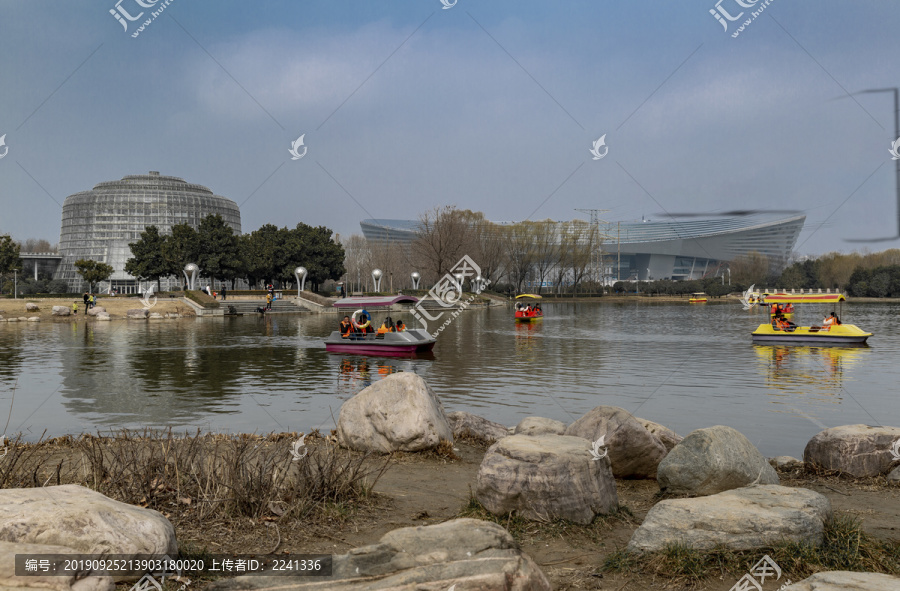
(149, 260)
(92, 271)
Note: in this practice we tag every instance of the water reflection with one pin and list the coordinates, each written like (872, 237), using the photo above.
(788, 367)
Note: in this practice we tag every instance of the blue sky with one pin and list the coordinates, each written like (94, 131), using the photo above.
(488, 105)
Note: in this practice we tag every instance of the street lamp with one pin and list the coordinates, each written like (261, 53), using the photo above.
(376, 279)
(300, 274)
(415, 278)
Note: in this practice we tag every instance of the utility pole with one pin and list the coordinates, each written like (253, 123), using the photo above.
(595, 222)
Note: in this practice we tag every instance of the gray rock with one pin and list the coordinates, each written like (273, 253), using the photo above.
(138, 313)
(84, 520)
(10, 582)
(742, 519)
(857, 450)
(103, 317)
(23, 319)
(785, 463)
(468, 426)
(12, 320)
(34, 319)
(398, 413)
(713, 460)
(96, 311)
(545, 477)
(31, 307)
(840, 580)
(633, 451)
(462, 554)
(893, 477)
(61, 311)
(155, 316)
(666, 436)
(540, 426)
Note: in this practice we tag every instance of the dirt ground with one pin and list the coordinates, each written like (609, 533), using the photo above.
(424, 490)
(117, 307)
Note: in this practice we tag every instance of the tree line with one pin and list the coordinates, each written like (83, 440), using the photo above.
(268, 255)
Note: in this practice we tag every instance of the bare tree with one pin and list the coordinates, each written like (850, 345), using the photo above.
(357, 261)
(546, 248)
(519, 252)
(445, 235)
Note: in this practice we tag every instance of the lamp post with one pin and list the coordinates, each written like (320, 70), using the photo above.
(300, 274)
(15, 284)
(415, 279)
(376, 279)
(191, 279)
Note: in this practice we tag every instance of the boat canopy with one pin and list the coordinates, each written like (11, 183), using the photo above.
(804, 298)
(698, 294)
(528, 295)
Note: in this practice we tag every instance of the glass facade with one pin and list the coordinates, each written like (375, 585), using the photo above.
(100, 223)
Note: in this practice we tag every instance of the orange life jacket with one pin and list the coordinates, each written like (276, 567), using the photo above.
(346, 329)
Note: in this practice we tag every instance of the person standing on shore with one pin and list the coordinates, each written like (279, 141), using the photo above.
(75, 308)
(86, 299)
(269, 301)
(224, 292)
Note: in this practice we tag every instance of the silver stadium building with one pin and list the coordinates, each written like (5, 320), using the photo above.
(100, 223)
(669, 249)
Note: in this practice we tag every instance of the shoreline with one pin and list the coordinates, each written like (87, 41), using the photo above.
(415, 489)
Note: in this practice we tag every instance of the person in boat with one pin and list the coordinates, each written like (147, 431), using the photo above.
(400, 326)
(779, 322)
(364, 325)
(346, 328)
(386, 326)
(537, 308)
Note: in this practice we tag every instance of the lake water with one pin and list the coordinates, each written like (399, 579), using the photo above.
(684, 366)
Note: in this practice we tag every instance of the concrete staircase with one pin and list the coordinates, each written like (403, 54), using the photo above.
(249, 306)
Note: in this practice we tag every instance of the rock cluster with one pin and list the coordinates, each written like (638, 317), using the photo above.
(633, 451)
(713, 460)
(465, 425)
(540, 426)
(80, 521)
(463, 554)
(856, 450)
(545, 477)
(398, 413)
(61, 311)
(740, 519)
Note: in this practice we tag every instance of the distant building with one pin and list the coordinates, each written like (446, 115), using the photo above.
(100, 223)
(669, 249)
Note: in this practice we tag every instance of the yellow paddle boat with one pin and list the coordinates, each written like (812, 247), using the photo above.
(780, 330)
(530, 312)
(698, 298)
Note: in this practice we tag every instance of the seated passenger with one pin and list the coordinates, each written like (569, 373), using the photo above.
(386, 326)
(364, 325)
(400, 326)
(346, 328)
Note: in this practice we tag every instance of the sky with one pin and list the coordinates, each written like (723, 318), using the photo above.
(489, 105)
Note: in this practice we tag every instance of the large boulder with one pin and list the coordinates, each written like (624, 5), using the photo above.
(103, 317)
(465, 425)
(842, 580)
(44, 582)
(666, 436)
(462, 554)
(893, 477)
(31, 307)
(83, 520)
(96, 311)
(34, 319)
(633, 451)
(138, 313)
(856, 450)
(398, 413)
(540, 426)
(61, 311)
(545, 477)
(742, 519)
(713, 460)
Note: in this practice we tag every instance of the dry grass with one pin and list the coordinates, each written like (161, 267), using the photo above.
(845, 547)
(203, 477)
(523, 529)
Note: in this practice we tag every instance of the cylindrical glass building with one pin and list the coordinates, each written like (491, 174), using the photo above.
(100, 223)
